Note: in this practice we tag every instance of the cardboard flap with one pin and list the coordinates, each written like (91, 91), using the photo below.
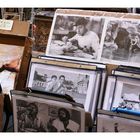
(20, 28)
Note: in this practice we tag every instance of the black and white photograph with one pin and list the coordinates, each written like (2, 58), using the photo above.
(77, 83)
(122, 42)
(75, 36)
(114, 123)
(35, 114)
(123, 93)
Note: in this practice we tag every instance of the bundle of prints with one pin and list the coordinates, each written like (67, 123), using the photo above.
(91, 38)
(80, 84)
(33, 114)
(122, 93)
(9, 65)
(114, 122)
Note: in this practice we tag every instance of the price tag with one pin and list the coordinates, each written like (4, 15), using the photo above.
(6, 24)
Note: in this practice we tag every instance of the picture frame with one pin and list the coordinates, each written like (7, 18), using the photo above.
(72, 85)
(123, 94)
(121, 42)
(114, 122)
(36, 114)
(65, 41)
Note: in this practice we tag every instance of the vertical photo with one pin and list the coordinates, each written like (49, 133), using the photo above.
(122, 42)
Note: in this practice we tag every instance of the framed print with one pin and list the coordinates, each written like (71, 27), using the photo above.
(9, 65)
(113, 122)
(125, 95)
(34, 114)
(75, 36)
(121, 44)
(77, 83)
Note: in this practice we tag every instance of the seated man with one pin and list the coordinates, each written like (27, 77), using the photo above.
(88, 41)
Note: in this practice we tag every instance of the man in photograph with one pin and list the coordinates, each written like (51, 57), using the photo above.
(63, 123)
(50, 84)
(59, 86)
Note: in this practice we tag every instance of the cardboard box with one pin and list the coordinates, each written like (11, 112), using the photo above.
(17, 36)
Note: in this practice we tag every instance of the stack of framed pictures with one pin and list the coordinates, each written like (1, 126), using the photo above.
(114, 122)
(79, 81)
(34, 113)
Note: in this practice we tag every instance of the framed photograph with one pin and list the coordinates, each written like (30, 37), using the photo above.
(124, 94)
(9, 65)
(75, 37)
(34, 114)
(113, 122)
(77, 83)
(121, 42)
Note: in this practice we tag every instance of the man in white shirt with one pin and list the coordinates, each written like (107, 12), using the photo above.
(88, 41)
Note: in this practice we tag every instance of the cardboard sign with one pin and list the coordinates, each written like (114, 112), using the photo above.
(6, 24)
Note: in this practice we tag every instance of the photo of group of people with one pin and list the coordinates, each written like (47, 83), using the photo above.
(79, 84)
(95, 39)
(41, 116)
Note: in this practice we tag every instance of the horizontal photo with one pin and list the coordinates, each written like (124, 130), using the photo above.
(75, 36)
(35, 114)
(77, 83)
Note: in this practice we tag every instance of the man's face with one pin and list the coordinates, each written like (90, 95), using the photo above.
(62, 115)
(62, 79)
(81, 30)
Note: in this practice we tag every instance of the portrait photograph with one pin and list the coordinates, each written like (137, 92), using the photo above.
(111, 122)
(75, 37)
(77, 83)
(121, 44)
(9, 65)
(35, 114)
